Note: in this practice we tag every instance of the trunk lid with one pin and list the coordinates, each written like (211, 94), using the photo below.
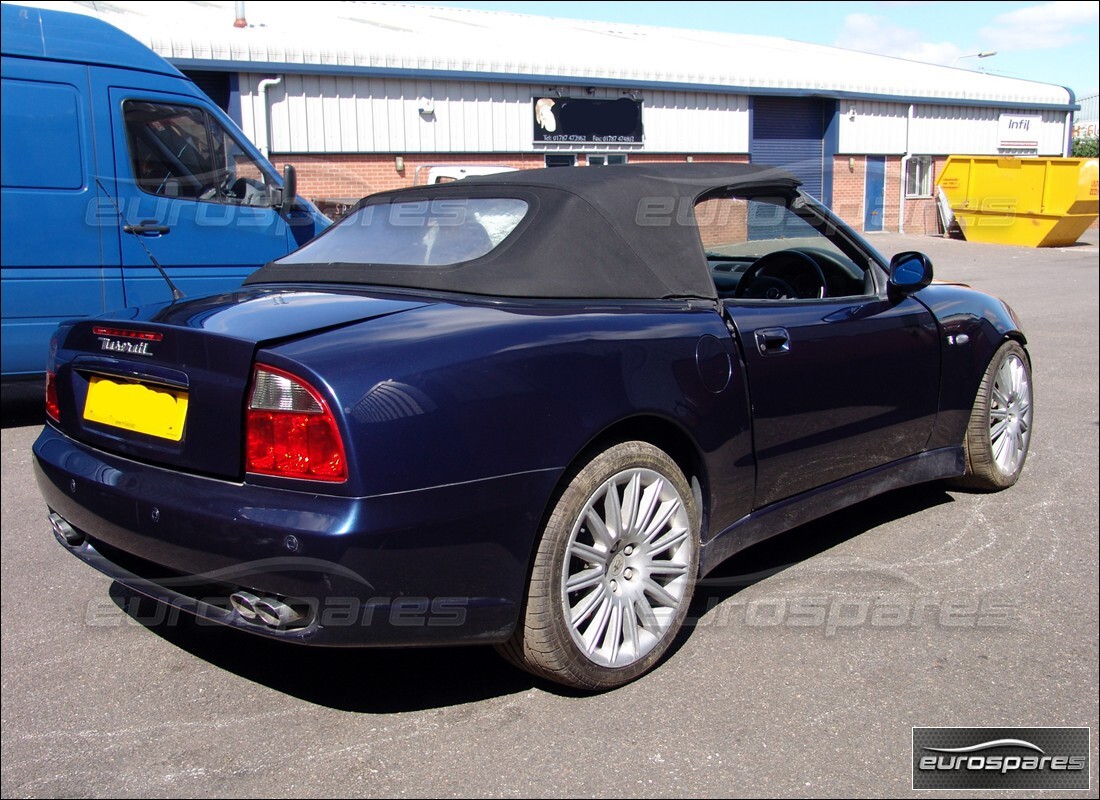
(168, 384)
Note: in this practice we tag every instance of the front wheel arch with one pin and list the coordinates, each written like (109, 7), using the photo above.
(998, 433)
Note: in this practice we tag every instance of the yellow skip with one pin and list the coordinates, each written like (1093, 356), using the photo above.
(1035, 202)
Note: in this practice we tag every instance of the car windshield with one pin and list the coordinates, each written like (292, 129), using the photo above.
(733, 227)
(431, 233)
(778, 248)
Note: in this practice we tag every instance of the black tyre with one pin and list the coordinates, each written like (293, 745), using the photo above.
(613, 574)
(999, 432)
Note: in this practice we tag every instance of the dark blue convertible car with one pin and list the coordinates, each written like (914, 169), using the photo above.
(528, 410)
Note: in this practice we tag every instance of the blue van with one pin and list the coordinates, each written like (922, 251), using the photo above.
(122, 183)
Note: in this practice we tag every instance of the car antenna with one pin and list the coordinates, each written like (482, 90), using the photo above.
(128, 228)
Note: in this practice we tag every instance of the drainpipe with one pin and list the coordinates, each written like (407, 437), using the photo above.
(905, 171)
(263, 138)
(1067, 139)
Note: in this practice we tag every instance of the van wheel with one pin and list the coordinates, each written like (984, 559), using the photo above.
(614, 572)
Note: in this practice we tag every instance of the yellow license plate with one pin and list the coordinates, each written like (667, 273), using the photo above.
(136, 407)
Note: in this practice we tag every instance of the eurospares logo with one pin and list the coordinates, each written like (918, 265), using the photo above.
(1001, 758)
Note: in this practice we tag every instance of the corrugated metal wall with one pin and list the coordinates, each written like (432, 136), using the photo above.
(1090, 108)
(328, 114)
(952, 130)
(872, 128)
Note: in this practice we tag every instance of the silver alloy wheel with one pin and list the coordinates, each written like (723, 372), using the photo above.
(999, 431)
(627, 571)
(1010, 414)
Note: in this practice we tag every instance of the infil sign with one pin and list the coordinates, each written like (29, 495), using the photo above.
(1018, 132)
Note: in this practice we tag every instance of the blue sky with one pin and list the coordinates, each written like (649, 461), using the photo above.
(1051, 42)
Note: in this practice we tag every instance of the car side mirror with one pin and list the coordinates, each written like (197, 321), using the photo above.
(290, 189)
(910, 272)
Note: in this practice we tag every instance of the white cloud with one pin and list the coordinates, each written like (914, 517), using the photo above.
(871, 34)
(1043, 27)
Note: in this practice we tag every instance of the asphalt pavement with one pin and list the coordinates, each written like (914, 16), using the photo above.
(808, 661)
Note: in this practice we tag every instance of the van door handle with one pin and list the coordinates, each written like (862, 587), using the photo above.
(148, 227)
(773, 341)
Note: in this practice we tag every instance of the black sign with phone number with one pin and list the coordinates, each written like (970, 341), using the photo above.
(577, 120)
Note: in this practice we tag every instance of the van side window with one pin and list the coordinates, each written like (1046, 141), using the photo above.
(181, 151)
(42, 147)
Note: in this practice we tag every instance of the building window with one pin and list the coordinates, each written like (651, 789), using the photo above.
(918, 177)
(603, 159)
(561, 160)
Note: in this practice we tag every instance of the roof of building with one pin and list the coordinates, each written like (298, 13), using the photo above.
(428, 41)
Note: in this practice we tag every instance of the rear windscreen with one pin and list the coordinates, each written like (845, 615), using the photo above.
(432, 233)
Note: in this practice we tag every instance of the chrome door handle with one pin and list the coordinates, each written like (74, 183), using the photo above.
(773, 341)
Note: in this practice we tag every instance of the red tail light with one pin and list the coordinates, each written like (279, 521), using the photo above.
(53, 408)
(290, 431)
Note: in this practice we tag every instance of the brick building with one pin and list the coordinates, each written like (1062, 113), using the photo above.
(362, 97)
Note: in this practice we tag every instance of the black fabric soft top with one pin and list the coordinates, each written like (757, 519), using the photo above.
(614, 232)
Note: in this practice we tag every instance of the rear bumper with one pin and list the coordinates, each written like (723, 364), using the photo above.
(444, 565)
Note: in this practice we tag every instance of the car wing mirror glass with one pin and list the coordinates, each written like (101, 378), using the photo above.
(910, 272)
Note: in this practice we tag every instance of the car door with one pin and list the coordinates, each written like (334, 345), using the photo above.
(836, 387)
(838, 384)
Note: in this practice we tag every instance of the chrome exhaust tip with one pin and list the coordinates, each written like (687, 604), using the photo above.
(63, 530)
(244, 603)
(269, 611)
(276, 614)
